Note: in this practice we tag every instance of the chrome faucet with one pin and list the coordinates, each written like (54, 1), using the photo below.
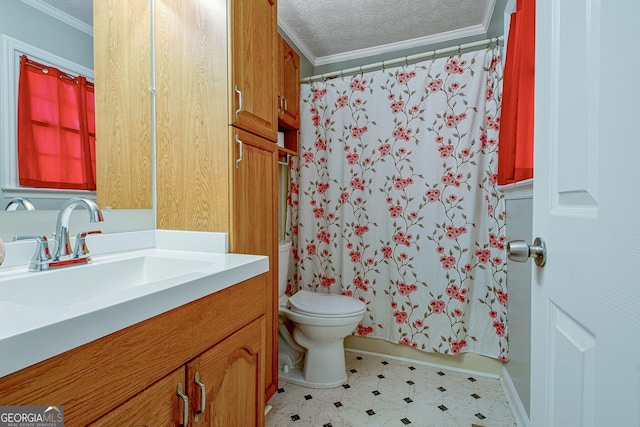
(63, 246)
(20, 201)
(41, 257)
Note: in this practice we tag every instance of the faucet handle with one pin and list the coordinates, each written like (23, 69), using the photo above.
(80, 248)
(42, 256)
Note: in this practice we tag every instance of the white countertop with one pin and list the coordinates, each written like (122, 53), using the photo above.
(29, 334)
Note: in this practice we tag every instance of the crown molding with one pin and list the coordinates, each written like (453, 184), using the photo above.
(295, 39)
(488, 14)
(398, 46)
(60, 16)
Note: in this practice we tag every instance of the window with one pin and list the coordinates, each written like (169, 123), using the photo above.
(56, 128)
(13, 50)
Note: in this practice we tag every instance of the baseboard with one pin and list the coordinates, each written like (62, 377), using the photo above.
(466, 361)
(424, 363)
(517, 408)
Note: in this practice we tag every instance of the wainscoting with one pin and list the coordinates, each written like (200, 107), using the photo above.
(516, 373)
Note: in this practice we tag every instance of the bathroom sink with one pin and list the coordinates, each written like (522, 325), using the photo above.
(133, 277)
(72, 285)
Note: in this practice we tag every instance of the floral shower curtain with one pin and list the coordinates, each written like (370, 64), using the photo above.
(394, 202)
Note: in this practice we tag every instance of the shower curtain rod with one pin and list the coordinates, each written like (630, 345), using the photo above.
(404, 59)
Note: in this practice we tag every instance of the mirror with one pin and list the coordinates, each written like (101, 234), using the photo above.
(23, 22)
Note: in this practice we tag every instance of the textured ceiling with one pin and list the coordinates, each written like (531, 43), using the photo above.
(82, 10)
(335, 30)
(328, 31)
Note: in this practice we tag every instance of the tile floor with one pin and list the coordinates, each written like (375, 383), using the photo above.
(383, 391)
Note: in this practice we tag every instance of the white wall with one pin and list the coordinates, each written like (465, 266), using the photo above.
(29, 25)
(519, 206)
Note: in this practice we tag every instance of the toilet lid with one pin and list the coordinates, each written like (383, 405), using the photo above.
(317, 303)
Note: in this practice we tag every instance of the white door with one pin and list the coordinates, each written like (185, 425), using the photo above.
(586, 299)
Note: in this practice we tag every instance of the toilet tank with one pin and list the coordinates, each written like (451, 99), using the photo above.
(284, 251)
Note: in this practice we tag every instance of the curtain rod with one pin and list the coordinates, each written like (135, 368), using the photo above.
(404, 59)
(45, 70)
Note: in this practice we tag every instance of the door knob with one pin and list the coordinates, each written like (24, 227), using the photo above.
(519, 251)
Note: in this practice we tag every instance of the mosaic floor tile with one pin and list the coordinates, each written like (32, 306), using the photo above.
(382, 391)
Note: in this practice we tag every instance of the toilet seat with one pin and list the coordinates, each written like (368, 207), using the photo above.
(316, 324)
(321, 305)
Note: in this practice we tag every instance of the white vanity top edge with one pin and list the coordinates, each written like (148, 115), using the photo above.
(29, 334)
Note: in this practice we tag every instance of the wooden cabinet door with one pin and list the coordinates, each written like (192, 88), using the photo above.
(254, 194)
(229, 380)
(288, 86)
(253, 58)
(158, 405)
(254, 225)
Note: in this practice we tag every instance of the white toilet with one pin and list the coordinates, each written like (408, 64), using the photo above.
(313, 327)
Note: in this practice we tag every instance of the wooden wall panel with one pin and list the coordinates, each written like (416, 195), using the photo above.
(123, 104)
(191, 70)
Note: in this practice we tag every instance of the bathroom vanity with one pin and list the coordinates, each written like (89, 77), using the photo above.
(187, 347)
(213, 79)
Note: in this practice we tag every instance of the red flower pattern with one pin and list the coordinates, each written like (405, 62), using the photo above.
(342, 101)
(437, 306)
(357, 132)
(433, 195)
(395, 211)
(320, 144)
(433, 147)
(319, 93)
(357, 84)
(400, 316)
(384, 149)
(352, 158)
(397, 107)
(435, 85)
(405, 289)
(402, 133)
(386, 252)
(322, 187)
(359, 230)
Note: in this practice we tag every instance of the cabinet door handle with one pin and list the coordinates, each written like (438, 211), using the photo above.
(203, 397)
(185, 408)
(279, 102)
(240, 106)
(285, 104)
(239, 159)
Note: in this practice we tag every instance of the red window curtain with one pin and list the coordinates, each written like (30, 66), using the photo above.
(515, 152)
(56, 129)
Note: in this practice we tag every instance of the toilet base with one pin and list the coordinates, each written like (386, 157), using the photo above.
(312, 354)
(296, 376)
(327, 363)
